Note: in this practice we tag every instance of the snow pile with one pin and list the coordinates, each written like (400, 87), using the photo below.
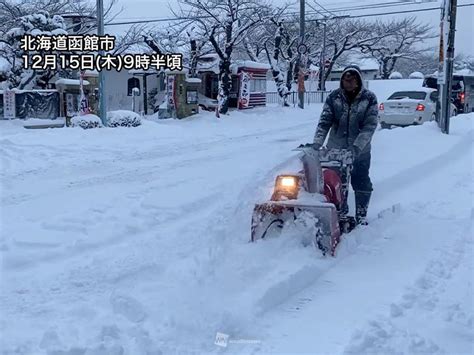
(142, 247)
(416, 75)
(396, 75)
(86, 121)
(123, 118)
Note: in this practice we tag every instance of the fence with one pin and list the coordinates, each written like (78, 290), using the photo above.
(310, 97)
(34, 104)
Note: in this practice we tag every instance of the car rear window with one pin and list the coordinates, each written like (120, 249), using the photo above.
(416, 95)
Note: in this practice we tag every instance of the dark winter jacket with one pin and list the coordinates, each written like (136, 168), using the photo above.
(348, 122)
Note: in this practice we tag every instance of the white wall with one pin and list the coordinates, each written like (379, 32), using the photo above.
(117, 90)
(382, 88)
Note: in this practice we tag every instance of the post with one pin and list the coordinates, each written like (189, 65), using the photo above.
(300, 66)
(450, 63)
(323, 60)
(448, 28)
(102, 97)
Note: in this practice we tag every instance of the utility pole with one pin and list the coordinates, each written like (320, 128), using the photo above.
(322, 63)
(448, 29)
(300, 58)
(100, 32)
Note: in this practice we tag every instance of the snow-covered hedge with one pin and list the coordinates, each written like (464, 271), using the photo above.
(416, 75)
(396, 75)
(123, 118)
(86, 121)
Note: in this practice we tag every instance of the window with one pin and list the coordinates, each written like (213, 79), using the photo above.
(434, 96)
(258, 85)
(133, 83)
(416, 95)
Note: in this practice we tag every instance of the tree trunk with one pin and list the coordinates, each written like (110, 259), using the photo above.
(225, 81)
(194, 59)
(385, 72)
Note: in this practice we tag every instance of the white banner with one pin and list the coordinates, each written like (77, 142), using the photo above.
(244, 95)
(170, 91)
(9, 107)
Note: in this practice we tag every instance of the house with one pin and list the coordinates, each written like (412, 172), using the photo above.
(248, 85)
(369, 69)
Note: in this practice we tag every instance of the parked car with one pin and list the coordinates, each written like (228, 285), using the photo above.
(462, 90)
(206, 103)
(411, 107)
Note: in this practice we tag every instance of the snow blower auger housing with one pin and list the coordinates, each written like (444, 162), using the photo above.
(318, 191)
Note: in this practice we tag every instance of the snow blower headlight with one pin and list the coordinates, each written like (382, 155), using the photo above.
(286, 186)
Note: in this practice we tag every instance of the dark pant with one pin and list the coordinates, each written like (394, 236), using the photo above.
(360, 179)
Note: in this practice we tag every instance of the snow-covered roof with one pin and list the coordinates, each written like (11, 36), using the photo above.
(193, 80)
(142, 71)
(211, 63)
(18, 91)
(77, 82)
(365, 64)
(4, 65)
(247, 64)
(464, 72)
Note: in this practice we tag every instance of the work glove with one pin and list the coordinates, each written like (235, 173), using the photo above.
(355, 152)
(312, 145)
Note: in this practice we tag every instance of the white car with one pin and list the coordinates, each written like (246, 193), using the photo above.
(206, 103)
(410, 107)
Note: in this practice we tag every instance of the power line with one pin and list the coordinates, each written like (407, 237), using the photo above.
(404, 12)
(289, 14)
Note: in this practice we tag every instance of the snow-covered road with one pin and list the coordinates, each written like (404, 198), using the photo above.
(136, 240)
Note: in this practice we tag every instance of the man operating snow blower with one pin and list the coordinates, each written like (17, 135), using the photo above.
(350, 117)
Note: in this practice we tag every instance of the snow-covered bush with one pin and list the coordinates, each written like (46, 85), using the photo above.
(416, 75)
(396, 75)
(86, 121)
(123, 118)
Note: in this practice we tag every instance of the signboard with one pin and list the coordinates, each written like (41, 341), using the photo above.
(244, 94)
(70, 111)
(9, 106)
(170, 91)
(83, 102)
(192, 97)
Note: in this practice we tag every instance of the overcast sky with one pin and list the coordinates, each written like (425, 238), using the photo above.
(150, 9)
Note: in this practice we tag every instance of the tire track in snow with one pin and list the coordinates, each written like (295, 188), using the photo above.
(388, 334)
(307, 275)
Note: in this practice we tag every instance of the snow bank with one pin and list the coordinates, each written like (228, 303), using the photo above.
(123, 118)
(396, 75)
(86, 121)
(142, 247)
(416, 75)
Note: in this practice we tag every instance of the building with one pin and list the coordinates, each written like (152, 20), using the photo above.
(248, 85)
(369, 69)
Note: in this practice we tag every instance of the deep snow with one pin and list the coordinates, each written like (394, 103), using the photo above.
(135, 240)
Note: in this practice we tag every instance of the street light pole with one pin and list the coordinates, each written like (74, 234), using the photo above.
(100, 32)
(445, 76)
(322, 64)
(300, 58)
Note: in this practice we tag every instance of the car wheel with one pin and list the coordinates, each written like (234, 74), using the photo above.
(455, 112)
(385, 125)
(433, 117)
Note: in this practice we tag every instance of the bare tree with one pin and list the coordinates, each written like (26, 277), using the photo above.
(425, 63)
(346, 35)
(399, 38)
(226, 24)
(18, 18)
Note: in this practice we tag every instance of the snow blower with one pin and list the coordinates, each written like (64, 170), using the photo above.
(316, 196)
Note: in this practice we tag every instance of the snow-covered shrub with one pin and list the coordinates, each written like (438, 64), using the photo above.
(396, 75)
(416, 75)
(123, 118)
(86, 121)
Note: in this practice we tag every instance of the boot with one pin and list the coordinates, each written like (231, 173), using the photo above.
(362, 199)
